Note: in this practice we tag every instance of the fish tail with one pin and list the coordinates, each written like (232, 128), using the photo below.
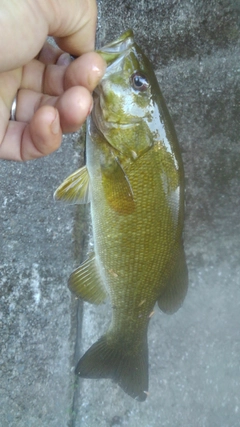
(108, 358)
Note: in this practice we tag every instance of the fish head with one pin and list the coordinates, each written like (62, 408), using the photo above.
(126, 110)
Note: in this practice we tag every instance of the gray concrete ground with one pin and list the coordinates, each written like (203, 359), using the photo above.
(194, 354)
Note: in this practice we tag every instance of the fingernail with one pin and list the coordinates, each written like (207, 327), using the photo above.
(64, 59)
(97, 73)
(101, 71)
(55, 125)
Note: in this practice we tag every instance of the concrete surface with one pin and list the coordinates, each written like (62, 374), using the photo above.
(194, 354)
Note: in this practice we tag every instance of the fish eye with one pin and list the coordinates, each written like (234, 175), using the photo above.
(139, 81)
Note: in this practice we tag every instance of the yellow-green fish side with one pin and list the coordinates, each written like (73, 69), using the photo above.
(137, 251)
(134, 181)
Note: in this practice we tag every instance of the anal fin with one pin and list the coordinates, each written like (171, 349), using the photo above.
(176, 285)
(85, 282)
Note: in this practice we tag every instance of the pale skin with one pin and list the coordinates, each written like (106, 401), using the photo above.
(53, 92)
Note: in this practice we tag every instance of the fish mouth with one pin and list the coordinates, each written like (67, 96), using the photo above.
(103, 124)
(113, 54)
(101, 121)
(112, 51)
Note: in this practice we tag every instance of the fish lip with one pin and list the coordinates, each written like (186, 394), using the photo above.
(114, 50)
(102, 123)
(122, 124)
(128, 34)
(119, 44)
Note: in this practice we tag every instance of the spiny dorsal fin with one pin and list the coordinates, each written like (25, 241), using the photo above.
(85, 282)
(176, 285)
(111, 359)
(75, 188)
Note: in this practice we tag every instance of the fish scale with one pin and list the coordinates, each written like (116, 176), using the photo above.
(142, 258)
(133, 179)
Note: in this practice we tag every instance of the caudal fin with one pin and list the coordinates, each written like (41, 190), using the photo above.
(110, 359)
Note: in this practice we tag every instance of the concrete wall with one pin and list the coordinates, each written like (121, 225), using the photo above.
(194, 354)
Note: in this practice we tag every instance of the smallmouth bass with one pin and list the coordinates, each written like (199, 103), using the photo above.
(133, 179)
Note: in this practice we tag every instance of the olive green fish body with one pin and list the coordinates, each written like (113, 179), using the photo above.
(135, 249)
(134, 181)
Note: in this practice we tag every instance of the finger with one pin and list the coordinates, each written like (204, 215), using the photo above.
(39, 138)
(73, 25)
(85, 71)
(73, 105)
(43, 78)
(9, 84)
(49, 54)
(72, 22)
(24, 30)
(53, 79)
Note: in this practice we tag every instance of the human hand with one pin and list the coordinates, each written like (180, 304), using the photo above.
(53, 92)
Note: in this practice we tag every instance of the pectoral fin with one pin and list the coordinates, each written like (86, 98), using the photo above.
(85, 282)
(117, 188)
(176, 286)
(75, 188)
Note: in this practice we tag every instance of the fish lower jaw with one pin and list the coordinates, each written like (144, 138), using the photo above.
(118, 124)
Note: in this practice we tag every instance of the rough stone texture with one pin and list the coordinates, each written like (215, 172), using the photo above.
(37, 316)
(194, 354)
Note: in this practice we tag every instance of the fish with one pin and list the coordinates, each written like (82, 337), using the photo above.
(134, 182)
